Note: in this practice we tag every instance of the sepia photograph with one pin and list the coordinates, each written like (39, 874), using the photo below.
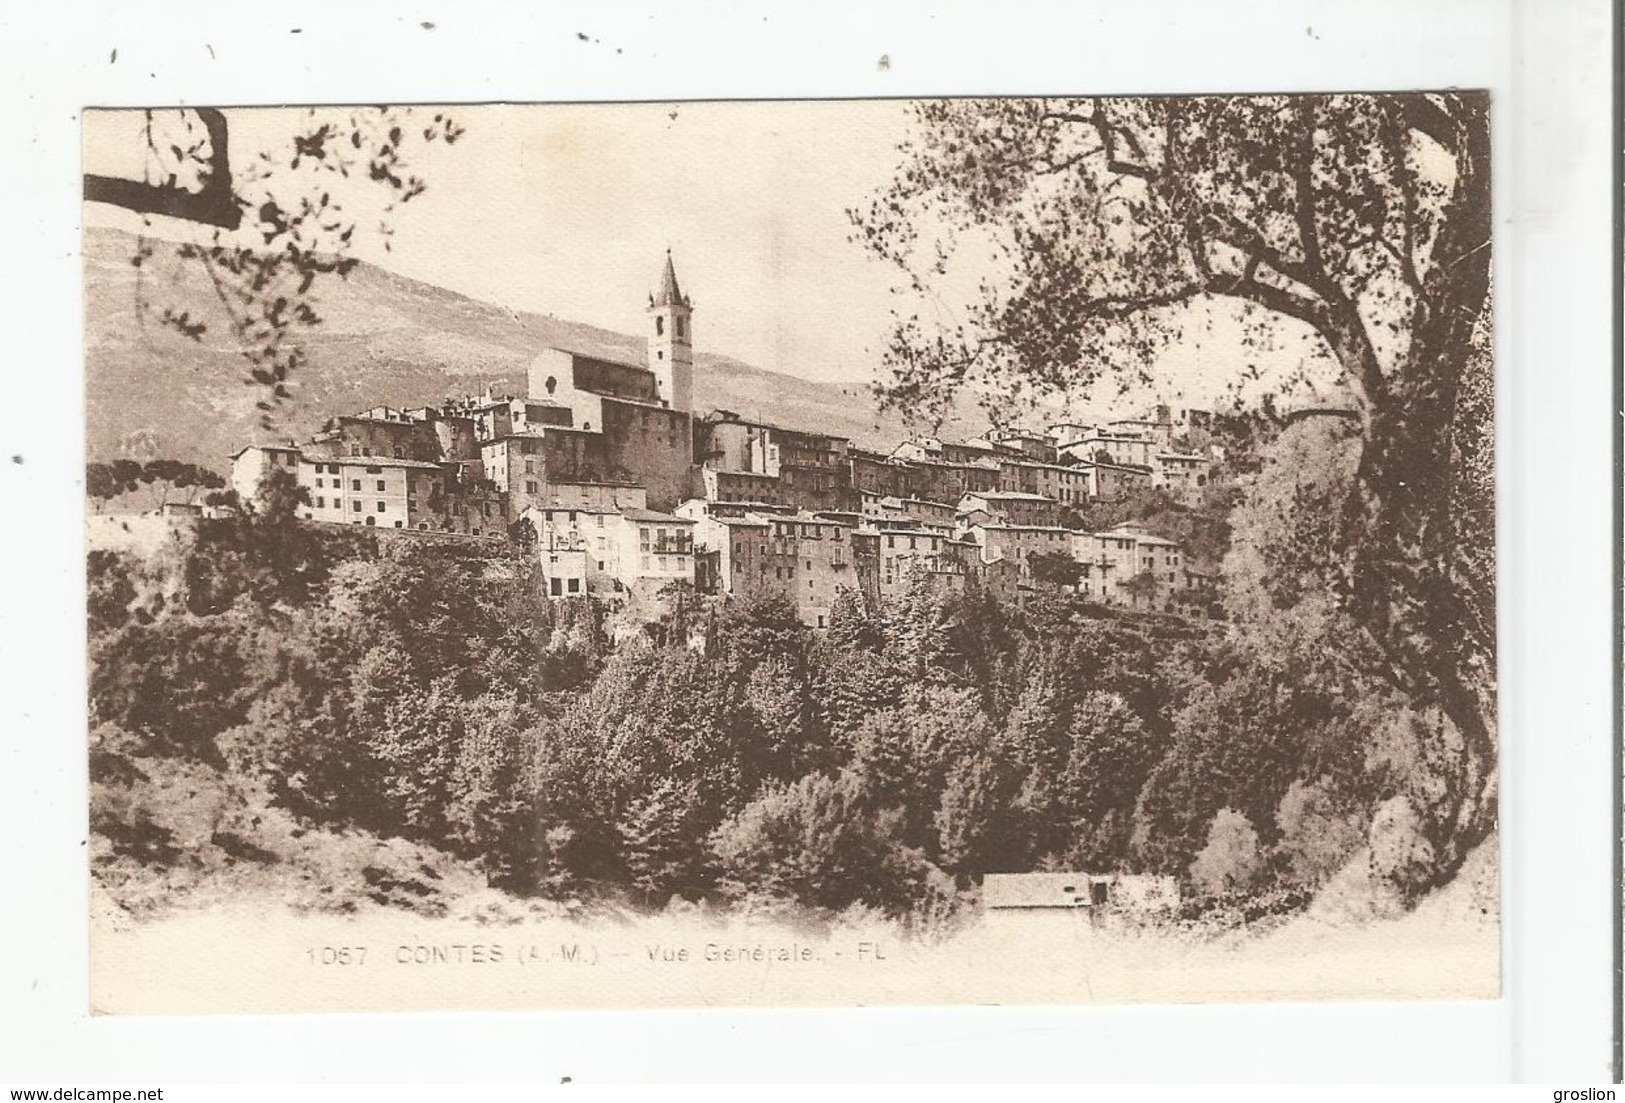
(791, 552)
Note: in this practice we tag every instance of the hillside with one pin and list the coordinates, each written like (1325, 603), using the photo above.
(385, 339)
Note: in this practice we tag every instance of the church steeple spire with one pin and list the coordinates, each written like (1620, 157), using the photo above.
(670, 294)
(671, 349)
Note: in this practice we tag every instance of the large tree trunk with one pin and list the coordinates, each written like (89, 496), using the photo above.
(1430, 622)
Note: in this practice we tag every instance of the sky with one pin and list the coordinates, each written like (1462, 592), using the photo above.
(569, 209)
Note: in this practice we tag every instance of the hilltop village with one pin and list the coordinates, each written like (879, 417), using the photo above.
(625, 489)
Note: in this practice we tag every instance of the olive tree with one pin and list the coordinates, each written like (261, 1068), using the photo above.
(1075, 240)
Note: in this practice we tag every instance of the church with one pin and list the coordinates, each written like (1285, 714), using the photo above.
(587, 420)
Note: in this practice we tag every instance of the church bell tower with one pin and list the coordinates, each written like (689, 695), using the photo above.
(671, 342)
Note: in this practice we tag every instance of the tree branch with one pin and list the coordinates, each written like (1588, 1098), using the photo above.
(215, 205)
(1423, 115)
(1108, 133)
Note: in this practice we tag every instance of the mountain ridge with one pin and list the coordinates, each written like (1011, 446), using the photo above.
(385, 339)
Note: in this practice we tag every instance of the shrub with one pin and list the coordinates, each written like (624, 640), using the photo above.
(820, 842)
(1318, 832)
(1231, 861)
(1401, 855)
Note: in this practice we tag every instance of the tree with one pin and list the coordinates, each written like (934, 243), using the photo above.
(1357, 227)
(271, 224)
(1231, 861)
(663, 847)
(101, 485)
(819, 841)
(979, 824)
(166, 475)
(1058, 569)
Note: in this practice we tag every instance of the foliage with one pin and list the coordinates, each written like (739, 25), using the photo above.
(1231, 861)
(106, 481)
(1055, 569)
(427, 689)
(1320, 830)
(275, 226)
(820, 841)
(1344, 235)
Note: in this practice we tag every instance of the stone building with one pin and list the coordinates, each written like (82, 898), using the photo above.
(805, 556)
(1033, 445)
(1071, 485)
(812, 470)
(1135, 451)
(251, 466)
(875, 473)
(1008, 507)
(1181, 474)
(1016, 543)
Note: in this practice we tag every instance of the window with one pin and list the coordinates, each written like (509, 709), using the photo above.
(397, 524)
(555, 587)
(380, 507)
(356, 506)
(380, 486)
(530, 488)
(575, 586)
(318, 481)
(321, 502)
(680, 326)
(355, 484)
(660, 325)
(370, 520)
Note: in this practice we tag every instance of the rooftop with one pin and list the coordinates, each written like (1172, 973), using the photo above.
(374, 461)
(636, 514)
(670, 294)
(1008, 496)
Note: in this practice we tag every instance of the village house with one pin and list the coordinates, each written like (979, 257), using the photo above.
(806, 556)
(378, 491)
(1012, 507)
(1180, 473)
(624, 490)
(1033, 445)
(1017, 543)
(1093, 894)
(905, 545)
(1071, 485)
(1122, 450)
(811, 470)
